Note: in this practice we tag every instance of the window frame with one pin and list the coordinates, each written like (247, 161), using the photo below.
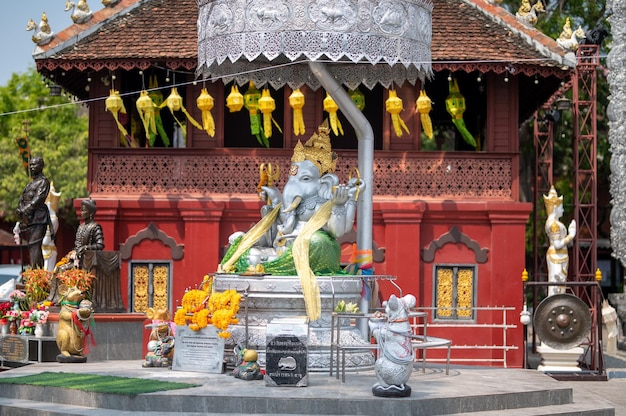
(454, 314)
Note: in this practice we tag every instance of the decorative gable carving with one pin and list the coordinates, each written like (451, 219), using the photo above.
(455, 236)
(151, 232)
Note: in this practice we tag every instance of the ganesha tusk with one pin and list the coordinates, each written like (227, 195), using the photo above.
(294, 204)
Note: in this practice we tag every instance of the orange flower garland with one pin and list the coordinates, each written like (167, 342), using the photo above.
(224, 306)
(199, 308)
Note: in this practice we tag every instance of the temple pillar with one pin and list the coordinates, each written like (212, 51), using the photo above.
(202, 225)
(107, 215)
(508, 259)
(402, 241)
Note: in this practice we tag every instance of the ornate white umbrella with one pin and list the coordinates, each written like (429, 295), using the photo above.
(287, 42)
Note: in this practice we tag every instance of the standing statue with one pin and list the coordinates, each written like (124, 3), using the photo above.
(89, 235)
(559, 237)
(395, 365)
(33, 212)
(48, 246)
(313, 205)
(74, 333)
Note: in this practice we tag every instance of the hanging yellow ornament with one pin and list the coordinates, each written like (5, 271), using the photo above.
(424, 105)
(115, 105)
(234, 101)
(146, 109)
(267, 105)
(357, 98)
(175, 103)
(455, 105)
(205, 103)
(331, 107)
(251, 102)
(394, 107)
(296, 101)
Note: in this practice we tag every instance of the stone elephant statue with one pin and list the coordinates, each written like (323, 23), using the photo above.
(311, 202)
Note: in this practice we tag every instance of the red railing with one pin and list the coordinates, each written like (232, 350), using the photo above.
(439, 175)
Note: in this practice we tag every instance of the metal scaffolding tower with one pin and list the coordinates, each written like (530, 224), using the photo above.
(583, 260)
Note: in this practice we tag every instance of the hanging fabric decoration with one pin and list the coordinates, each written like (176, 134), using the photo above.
(394, 107)
(331, 107)
(267, 105)
(251, 102)
(455, 105)
(146, 110)
(24, 149)
(115, 105)
(205, 103)
(296, 101)
(357, 98)
(175, 103)
(424, 105)
(234, 101)
(157, 98)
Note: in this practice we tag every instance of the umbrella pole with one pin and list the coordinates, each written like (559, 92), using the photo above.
(365, 134)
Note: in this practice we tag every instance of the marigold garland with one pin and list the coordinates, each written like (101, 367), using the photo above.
(194, 300)
(224, 306)
(202, 318)
(199, 308)
(180, 317)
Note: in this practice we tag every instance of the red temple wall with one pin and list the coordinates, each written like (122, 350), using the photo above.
(403, 228)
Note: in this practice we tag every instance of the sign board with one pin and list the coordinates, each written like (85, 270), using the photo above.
(201, 351)
(14, 348)
(286, 354)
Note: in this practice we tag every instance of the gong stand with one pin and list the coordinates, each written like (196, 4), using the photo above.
(565, 321)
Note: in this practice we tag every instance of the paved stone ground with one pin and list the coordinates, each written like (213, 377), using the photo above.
(613, 390)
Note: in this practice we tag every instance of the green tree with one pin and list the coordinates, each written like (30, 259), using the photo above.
(57, 130)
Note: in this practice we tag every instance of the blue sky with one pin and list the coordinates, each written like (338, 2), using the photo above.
(16, 46)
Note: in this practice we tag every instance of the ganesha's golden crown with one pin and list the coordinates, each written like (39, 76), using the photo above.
(318, 150)
(552, 200)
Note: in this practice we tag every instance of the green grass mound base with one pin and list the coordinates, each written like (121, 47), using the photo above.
(97, 383)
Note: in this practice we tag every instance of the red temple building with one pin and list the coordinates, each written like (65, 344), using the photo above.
(449, 220)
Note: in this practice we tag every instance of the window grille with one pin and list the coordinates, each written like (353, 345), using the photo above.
(454, 292)
(150, 286)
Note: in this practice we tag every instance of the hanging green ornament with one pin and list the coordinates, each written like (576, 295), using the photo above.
(357, 98)
(455, 105)
(251, 102)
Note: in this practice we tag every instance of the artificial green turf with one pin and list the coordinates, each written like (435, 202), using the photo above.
(97, 383)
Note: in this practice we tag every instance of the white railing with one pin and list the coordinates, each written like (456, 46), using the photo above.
(464, 353)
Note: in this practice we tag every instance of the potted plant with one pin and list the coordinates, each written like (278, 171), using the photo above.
(26, 325)
(39, 317)
(37, 283)
(79, 278)
(4, 319)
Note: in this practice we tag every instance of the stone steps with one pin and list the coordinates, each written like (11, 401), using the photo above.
(474, 391)
(540, 402)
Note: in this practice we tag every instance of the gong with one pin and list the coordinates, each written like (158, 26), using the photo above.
(562, 321)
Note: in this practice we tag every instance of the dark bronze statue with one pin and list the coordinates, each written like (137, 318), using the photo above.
(33, 212)
(89, 234)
